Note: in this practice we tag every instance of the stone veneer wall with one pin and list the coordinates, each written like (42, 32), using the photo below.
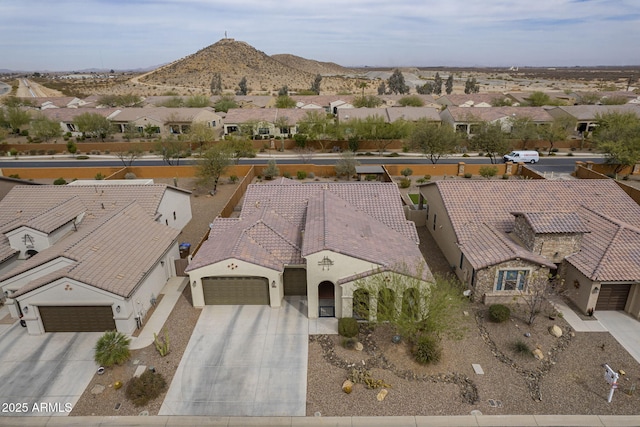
(486, 278)
(547, 244)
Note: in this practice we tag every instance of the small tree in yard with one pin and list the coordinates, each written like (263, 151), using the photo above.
(271, 171)
(214, 163)
(112, 349)
(535, 296)
(488, 171)
(433, 141)
(491, 140)
(72, 147)
(346, 165)
(406, 172)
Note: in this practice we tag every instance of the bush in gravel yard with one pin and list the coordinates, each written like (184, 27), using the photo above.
(427, 350)
(112, 349)
(60, 181)
(301, 175)
(522, 347)
(499, 313)
(146, 387)
(349, 343)
(405, 183)
(348, 327)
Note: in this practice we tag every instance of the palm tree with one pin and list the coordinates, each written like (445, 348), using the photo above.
(112, 349)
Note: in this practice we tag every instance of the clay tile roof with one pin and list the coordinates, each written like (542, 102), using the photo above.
(554, 222)
(114, 255)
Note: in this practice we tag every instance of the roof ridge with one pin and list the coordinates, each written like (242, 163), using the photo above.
(612, 220)
(599, 266)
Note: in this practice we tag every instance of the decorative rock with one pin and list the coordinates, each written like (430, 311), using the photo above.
(358, 346)
(144, 414)
(383, 393)
(347, 386)
(555, 331)
(538, 354)
(527, 334)
(97, 389)
(117, 385)
(476, 412)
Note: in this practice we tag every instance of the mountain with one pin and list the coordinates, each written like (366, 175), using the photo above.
(235, 60)
(311, 66)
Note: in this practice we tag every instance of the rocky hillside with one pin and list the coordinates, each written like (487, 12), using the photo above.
(235, 60)
(311, 66)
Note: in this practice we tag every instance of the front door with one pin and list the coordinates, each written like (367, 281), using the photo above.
(326, 299)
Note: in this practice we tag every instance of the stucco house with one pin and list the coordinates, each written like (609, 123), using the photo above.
(586, 116)
(266, 122)
(166, 121)
(315, 240)
(467, 120)
(498, 236)
(88, 257)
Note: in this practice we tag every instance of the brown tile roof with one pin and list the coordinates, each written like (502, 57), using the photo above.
(470, 204)
(114, 255)
(554, 222)
(489, 114)
(335, 216)
(269, 115)
(70, 114)
(590, 112)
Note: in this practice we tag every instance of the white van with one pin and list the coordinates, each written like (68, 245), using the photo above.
(522, 157)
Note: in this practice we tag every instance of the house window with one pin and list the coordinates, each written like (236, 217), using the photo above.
(174, 215)
(427, 207)
(263, 131)
(511, 280)
(461, 260)
(434, 221)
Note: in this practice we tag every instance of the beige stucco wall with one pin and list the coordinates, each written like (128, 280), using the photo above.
(14, 283)
(579, 288)
(443, 232)
(343, 266)
(633, 302)
(178, 202)
(242, 269)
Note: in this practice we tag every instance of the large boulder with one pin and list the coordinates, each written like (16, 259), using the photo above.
(383, 393)
(555, 331)
(537, 353)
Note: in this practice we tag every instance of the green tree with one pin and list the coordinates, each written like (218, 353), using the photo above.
(243, 89)
(501, 102)
(367, 101)
(524, 129)
(72, 147)
(396, 83)
(216, 84)
(151, 130)
(432, 140)
(614, 100)
(17, 117)
(315, 86)
(437, 84)
(449, 84)
(200, 133)
(94, 124)
(488, 171)
(285, 101)
(491, 139)
(131, 131)
(14, 101)
(45, 128)
(198, 101)
(382, 88)
(284, 91)
(239, 148)
(590, 98)
(539, 99)
(376, 129)
(471, 86)
(225, 103)
(214, 163)
(172, 149)
(425, 89)
(411, 101)
(127, 157)
(346, 165)
(618, 137)
(112, 349)
(317, 126)
(271, 171)
(173, 102)
(559, 130)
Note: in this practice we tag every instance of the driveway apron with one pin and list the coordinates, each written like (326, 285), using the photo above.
(45, 374)
(244, 361)
(624, 328)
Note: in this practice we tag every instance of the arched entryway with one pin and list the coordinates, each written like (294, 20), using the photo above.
(326, 299)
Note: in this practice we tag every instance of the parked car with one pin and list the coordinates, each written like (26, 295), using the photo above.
(522, 156)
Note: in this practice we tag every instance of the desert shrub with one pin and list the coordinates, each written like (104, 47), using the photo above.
(130, 175)
(406, 172)
(301, 175)
(465, 155)
(311, 175)
(60, 181)
(349, 343)
(99, 176)
(82, 157)
(505, 176)
(405, 183)
(348, 327)
(427, 177)
(371, 177)
(427, 350)
(15, 175)
(421, 180)
(24, 132)
(271, 171)
(570, 154)
(112, 348)
(521, 347)
(300, 139)
(51, 152)
(468, 175)
(394, 154)
(499, 313)
(233, 179)
(286, 174)
(13, 152)
(140, 390)
(488, 171)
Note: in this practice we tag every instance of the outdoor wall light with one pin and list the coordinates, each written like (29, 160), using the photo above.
(117, 309)
(25, 309)
(193, 284)
(595, 290)
(273, 283)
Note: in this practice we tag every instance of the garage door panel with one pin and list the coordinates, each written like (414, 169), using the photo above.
(235, 291)
(77, 318)
(613, 297)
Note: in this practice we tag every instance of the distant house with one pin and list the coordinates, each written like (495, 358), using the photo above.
(390, 114)
(313, 240)
(468, 120)
(587, 232)
(392, 100)
(67, 116)
(88, 257)
(166, 121)
(586, 116)
(264, 123)
(477, 100)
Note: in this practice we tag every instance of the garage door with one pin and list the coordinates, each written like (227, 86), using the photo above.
(613, 297)
(295, 281)
(235, 290)
(89, 318)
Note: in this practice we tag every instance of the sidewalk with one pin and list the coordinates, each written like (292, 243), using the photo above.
(171, 292)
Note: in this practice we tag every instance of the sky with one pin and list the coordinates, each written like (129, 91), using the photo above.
(69, 35)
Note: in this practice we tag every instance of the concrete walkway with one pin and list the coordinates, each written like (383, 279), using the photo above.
(171, 292)
(578, 325)
(624, 328)
(444, 421)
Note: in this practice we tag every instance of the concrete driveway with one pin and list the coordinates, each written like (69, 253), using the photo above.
(244, 361)
(46, 374)
(624, 328)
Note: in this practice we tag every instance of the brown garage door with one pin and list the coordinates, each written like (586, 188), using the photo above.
(295, 281)
(613, 297)
(235, 290)
(89, 318)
